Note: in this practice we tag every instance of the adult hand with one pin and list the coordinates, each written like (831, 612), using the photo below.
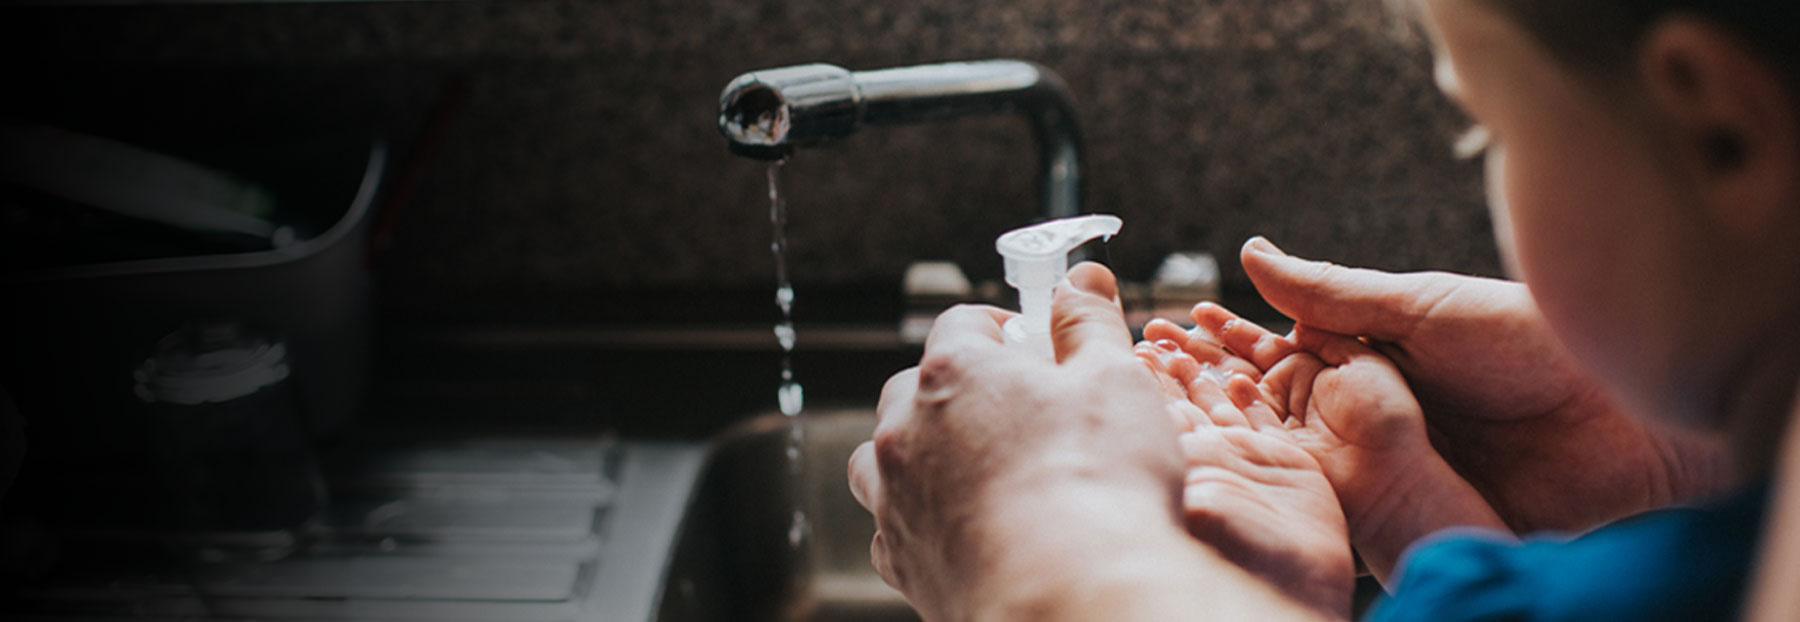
(1005, 485)
(1508, 407)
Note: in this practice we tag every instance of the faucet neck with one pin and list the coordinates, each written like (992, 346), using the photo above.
(767, 114)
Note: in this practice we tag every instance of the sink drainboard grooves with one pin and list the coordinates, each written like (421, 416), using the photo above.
(515, 529)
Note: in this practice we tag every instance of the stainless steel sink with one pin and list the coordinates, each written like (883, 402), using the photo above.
(740, 554)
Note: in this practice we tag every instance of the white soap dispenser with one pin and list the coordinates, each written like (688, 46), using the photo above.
(1037, 260)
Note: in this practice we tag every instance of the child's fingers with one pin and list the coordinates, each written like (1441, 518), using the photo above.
(1293, 378)
(1175, 362)
(1201, 345)
(1206, 393)
(1155, 358)
(1171, 366)
(1160, 329)
(1243, 337)
(1186, 415)
(1250, 399)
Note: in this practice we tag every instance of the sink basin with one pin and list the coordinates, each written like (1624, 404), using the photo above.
(742, 554)
(734, 559)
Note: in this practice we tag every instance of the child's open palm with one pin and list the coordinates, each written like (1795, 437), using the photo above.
(1349, 408)
(1250, 491)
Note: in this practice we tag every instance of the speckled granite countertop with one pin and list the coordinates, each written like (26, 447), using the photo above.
(584, 159)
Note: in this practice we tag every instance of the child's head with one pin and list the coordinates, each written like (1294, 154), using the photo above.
(1602, 37)
(1644, 172)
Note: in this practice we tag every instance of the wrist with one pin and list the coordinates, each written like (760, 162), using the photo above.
(1088, 554)
(1697, 464)
(1056, 546)
(1421, 496)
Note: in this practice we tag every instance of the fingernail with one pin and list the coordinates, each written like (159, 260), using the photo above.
(1260, 244)
(1167, 345)
(1076, 285)
(1202, 333)
(1071, 279)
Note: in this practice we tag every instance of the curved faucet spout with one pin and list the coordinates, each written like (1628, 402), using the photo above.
(766, 114)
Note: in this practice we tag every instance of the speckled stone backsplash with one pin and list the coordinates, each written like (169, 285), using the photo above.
(584, 159)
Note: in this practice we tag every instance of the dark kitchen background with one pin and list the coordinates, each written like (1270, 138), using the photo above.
(557, 242)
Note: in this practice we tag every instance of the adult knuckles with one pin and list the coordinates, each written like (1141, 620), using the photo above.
(899, 387)
(882, 558)
(1122, 369)
(892, 451)
(1080, 313)
(1322, 275)
(942, 369)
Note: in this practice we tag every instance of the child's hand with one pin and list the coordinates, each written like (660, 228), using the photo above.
(1348, 407)
(1250, 491)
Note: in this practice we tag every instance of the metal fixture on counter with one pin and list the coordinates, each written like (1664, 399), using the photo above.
(766, 114)
(929, 288)
(229, 441)
(1180, 281)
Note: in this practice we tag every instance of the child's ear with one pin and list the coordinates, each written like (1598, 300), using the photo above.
(1732, 122)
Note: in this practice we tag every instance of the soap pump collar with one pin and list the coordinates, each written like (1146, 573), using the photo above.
(1037, 260)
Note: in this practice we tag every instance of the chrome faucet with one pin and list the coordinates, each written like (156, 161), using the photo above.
(766, 114)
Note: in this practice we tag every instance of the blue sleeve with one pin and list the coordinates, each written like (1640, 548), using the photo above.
(1457, 575)
(1674, 564)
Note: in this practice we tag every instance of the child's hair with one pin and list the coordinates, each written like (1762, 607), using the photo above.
(1601, 37)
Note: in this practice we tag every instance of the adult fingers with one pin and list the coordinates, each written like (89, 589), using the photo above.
(1351, 301)
(1242, 337)
(1085, 316)
(882, 560)
(896, 401)
(1332, 348)
(961, 326)
(893, 415)
(962, 340)
(865, 477)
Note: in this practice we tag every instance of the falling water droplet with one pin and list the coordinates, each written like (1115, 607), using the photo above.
(798, 530)
(784, 297)
(784, 333)
(791, 398)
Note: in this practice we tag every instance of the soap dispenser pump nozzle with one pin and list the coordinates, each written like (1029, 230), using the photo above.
(1037, 260)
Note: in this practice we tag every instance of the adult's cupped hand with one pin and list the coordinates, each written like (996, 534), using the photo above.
(1507, 405)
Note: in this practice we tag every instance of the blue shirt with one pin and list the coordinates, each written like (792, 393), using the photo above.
(1673, 564)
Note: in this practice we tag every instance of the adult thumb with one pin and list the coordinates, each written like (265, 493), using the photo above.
(1085, 315)
(1349, 301)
